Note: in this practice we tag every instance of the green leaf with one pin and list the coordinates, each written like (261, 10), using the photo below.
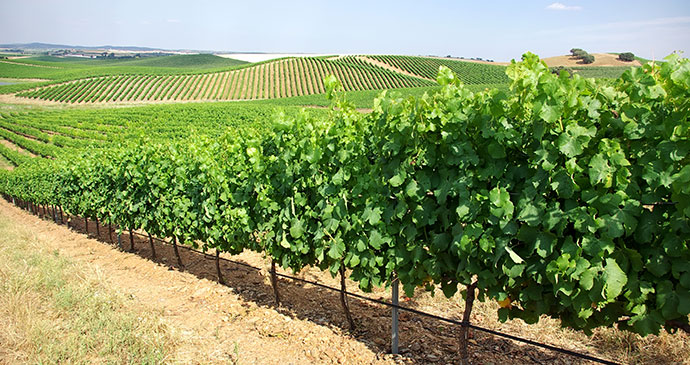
(600, 171)
(496, 150)
(513, 256)
(412, 190)
(587, 278)
(530, 215)
(563, 184)
(550, 113)
(297, 228)
(331, 85)
(683, 302)
(376, 240)
(614, 278)
(449, 289)
(354, 261)
(337, 250)
(396, 181)
(284, 242)
(462, 210)
(574, 140)
(373, 216)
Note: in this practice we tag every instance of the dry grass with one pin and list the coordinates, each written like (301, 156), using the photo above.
(53, 311)
(600, 59)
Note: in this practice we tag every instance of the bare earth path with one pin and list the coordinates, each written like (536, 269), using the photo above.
(216, 324)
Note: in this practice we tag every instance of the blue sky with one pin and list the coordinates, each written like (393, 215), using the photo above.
(492, 29)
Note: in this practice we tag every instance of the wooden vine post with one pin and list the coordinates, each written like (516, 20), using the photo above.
(274, 282)
(177, 253)
(465, 331)
(86, 225)
(220, 275)
(343, 297)
(153, 249)
(131, 241)
(98, 230)
(394, 315)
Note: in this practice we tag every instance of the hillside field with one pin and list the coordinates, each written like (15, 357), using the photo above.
(211, 78)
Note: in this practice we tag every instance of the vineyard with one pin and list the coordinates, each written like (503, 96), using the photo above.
(270, 80)
(427, 67)
(62, 132)
(211, 78)
(564, 197)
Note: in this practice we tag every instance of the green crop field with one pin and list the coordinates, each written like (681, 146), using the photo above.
(269, 80)
(601, 72)
(65, 68)
(54, 133)
(427, 67)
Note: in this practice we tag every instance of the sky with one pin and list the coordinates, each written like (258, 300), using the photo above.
(490, 29)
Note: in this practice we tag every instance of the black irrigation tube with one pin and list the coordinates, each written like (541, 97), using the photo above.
(411, 310)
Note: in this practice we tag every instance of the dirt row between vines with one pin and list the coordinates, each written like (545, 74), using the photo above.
(241, 321)
(14, 147)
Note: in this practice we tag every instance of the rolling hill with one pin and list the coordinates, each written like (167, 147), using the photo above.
(205, 77)
(268, 80)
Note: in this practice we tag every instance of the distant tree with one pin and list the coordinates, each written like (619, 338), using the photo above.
(575, 50)
(627, 57)
(587, 59)
(580, 53)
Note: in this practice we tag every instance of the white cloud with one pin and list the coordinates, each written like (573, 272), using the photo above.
(560, 6)
(173, 20)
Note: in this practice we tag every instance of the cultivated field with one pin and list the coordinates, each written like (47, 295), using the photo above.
(211, 78)
(275, 79)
